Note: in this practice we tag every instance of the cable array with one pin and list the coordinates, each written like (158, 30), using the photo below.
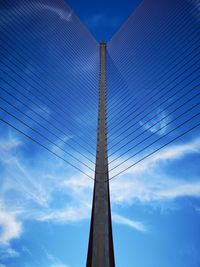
(153, 82)
(49, 79)
(49, 68)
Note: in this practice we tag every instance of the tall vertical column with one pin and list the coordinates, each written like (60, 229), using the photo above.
(100, 249)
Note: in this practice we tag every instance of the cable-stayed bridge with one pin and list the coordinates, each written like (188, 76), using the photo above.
(100, 108)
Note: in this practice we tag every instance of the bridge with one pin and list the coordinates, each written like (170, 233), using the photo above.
(101, 108)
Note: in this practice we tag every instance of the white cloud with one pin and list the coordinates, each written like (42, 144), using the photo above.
(175, 152)
(63, 14)
(10, 227)
(180, 190)
(54, 261)
(170, 153)
(158, 124)
(136, 225)
(152, 188)
(67, 215)
(21, 180)
(148, 181)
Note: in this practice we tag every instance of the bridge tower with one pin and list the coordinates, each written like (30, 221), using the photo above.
(100, 248)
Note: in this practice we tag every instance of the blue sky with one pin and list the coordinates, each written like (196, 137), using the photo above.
(103, 18)
(45, 204)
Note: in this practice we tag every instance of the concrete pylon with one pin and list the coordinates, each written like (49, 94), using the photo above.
(100, 249)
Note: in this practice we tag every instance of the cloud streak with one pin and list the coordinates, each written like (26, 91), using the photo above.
(68, 215)
(63, 14)
(136, 225)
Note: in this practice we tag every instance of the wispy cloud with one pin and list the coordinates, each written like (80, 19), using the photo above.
(136, 225)
(67, 215)
(6, 252)
(152, 188)
(63, 14)
(170, 153)
(175, 152)
(158, 124)
(54, 261)
(19, 179)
